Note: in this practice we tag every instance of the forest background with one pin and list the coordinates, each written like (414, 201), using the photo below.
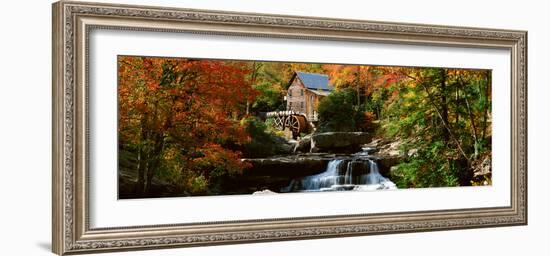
(186, 123)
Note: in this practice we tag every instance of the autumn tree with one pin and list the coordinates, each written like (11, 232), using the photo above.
(442, 117)
(185, 111)
(190, 121)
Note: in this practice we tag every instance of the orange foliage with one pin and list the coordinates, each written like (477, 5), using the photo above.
(216, 157)
(195, 104)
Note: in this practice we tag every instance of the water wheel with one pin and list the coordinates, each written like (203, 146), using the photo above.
(296, 124)
(279, 123)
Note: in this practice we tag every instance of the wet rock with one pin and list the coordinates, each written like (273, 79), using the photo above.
(284, 146)
(359, 167)
(339, 142)
(385, 162)
(287, 166)
(386, 148)
(388, 154)
(264, 192)
(303, 145)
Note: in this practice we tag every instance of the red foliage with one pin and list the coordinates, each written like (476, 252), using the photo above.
(196, 104)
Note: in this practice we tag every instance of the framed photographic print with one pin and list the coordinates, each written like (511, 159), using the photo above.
(178, 127)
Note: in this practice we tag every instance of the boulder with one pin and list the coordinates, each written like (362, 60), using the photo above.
(284, 146)
(386, 162)
(339, 142)
(303, 145)
(291, 166)
(388, 154)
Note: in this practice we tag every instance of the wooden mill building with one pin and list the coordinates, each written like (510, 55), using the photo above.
(305, 92)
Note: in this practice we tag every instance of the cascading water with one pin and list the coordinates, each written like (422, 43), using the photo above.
(349, 174)
(374, 180)
(344, 174)
(326, 179)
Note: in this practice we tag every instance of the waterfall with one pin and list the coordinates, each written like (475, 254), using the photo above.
(374, 176)
(342, 174)
(325, 179)
(349, 174)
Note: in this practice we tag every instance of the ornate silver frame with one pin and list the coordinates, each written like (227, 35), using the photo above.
(72, 22)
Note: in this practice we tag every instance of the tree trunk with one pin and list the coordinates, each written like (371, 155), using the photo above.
(140, 184)
(474, 129)
(448, 129)
(252, 83)
(444, 107)
(457, 105)
(157, 138)
(487, 107)
(154, 163)
(142, 159)
(358, 84)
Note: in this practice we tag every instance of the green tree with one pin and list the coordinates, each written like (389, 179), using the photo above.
(337, 112)
(441, 115)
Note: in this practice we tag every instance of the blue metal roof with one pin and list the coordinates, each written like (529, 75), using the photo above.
(315, 81)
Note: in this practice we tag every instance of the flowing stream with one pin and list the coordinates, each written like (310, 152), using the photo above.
(344, 174)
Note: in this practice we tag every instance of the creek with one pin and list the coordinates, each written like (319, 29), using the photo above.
(358, 172)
